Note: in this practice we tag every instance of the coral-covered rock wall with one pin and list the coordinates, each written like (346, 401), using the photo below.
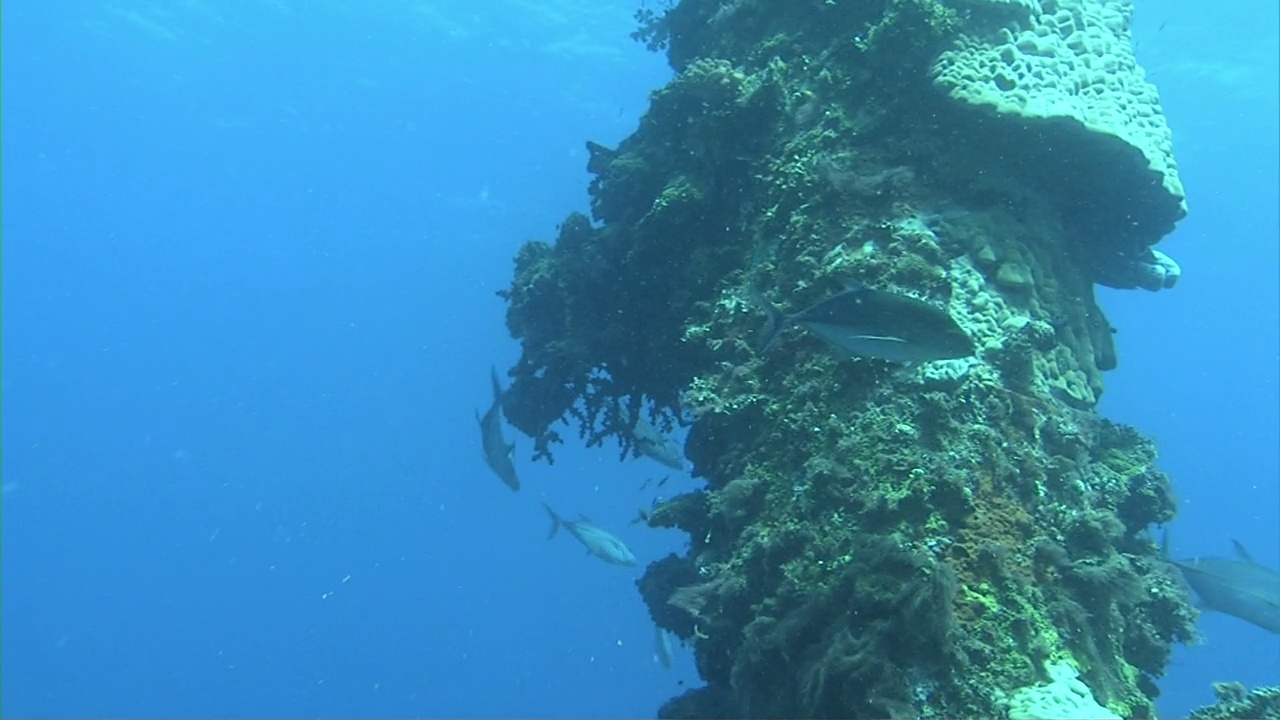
(874, 540)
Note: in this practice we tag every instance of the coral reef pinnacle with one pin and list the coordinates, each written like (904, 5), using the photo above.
(873, 540)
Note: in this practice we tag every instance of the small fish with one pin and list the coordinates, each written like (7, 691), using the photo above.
(657, 446)
(662, 646)
(865, 322)
(599, 542)
(647, 481)
(643, 515)
(497, 451)
(1236, 586)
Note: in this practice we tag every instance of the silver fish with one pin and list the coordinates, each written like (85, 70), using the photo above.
(865, 322)
(598, 541)
(1236, 586)
(497, 451)
(662, 646)
(657, 446)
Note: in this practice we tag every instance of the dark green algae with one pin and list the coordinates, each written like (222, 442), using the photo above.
(872, 542)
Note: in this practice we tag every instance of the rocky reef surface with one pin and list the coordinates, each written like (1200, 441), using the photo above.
(959, 538)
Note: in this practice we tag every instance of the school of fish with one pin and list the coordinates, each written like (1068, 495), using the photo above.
(862, 322)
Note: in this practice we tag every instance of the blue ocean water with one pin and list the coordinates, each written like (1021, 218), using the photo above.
(250, 251)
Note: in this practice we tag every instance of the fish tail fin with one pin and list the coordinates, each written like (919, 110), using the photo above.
(556, 522)
(774, 325)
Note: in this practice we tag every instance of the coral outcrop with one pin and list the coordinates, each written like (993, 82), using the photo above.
(1058, 80)
(873, 540)
(1234, 701)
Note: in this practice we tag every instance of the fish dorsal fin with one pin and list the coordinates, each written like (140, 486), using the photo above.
(584, 518)
(511, 450)
(1241, 552)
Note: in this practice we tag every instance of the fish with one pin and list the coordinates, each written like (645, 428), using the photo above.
(656, 446)
(662, 646)
(865, 322)
(653, 444)
(599, 542)
(497, 451)
(643, 515)
(647, 481)
(1236, 586)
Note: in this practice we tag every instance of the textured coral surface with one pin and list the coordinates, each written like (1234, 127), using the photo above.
(874, 540)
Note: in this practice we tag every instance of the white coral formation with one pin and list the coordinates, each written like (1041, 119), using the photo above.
(1066, 697)
(1062, 60)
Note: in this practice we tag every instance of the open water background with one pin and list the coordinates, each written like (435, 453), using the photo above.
(250, 256)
